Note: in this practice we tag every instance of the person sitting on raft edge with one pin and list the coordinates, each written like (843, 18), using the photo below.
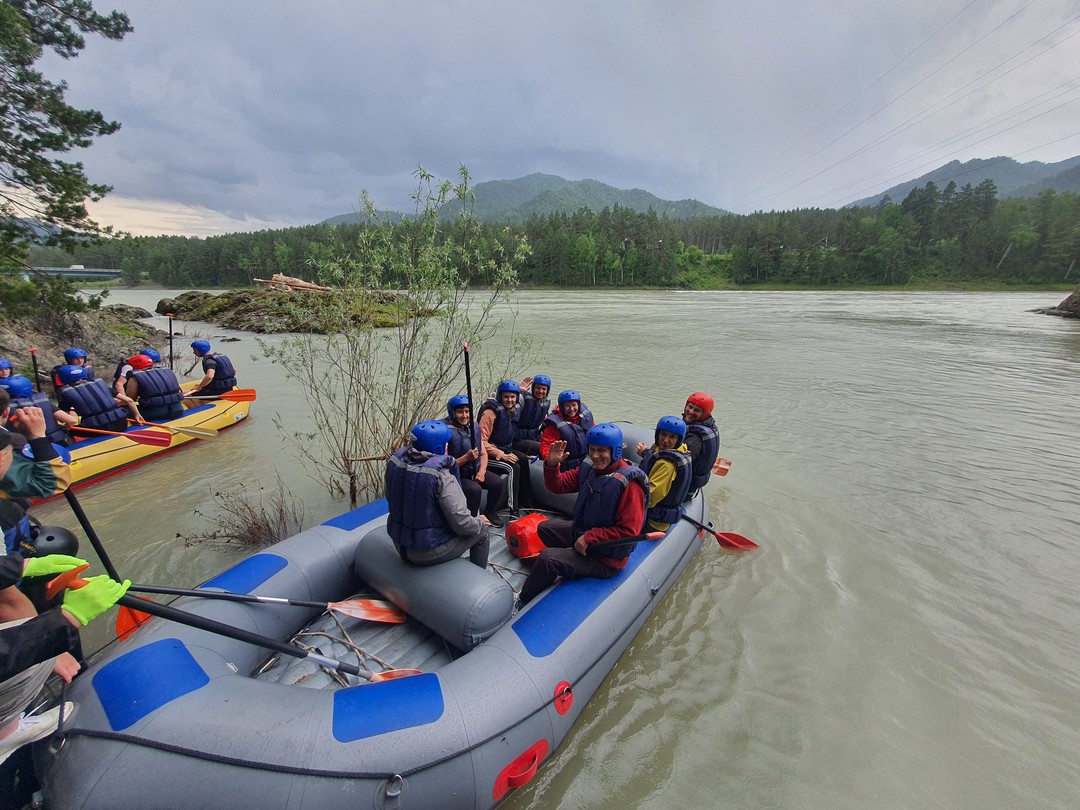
(498, 419)
(219, 374)
(568, 423)
(702, 438)
(472, 461)
(668, 465)
(612, 494)
(429, 520)
(535, 406)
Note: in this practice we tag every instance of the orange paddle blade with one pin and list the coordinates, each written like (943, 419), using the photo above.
(721, 466)
(151, 437)
(373, 610)
(236, 395)
(63, 581)
(129, 620)
(393, 674)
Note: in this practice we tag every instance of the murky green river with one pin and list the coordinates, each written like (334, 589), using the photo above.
(906, 636)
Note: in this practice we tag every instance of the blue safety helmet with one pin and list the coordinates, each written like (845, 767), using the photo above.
(431, 436)
(607, 435)
(201, 347)
(569, 396)
(454, 403)
(541, 379)
(672, 424)
(18, 387)
(152, 354)
(508, 385)
(72, 354)
(69, 375)
(5, 363)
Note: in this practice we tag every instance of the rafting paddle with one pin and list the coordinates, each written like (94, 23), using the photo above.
(374, 610)
(222, 629)
(197, 433)
(148, 437)
(725, 539)
(236, 395)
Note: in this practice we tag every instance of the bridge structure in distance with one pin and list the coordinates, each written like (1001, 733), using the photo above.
(75, 271)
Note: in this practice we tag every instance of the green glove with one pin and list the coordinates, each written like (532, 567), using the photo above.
(51, 564)
(94, 598)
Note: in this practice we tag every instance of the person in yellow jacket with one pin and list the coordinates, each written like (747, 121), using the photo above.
(668, 465)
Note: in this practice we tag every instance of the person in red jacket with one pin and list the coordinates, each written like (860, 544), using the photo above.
(612, 494)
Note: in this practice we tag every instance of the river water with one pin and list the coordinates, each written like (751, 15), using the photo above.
(906, 636)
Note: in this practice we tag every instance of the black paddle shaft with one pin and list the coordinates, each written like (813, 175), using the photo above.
(227, 630)
(468, 393)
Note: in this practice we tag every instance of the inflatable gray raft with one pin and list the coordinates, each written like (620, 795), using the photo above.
(178, 717)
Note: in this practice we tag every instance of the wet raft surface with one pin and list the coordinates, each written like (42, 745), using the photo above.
(375, 645)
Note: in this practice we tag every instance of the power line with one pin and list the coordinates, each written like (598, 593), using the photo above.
(884, 107)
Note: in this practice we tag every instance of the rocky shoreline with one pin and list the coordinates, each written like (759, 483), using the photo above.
(1069, 308)
(108, 335)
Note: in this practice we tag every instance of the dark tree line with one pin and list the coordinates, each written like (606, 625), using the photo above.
(933, 236)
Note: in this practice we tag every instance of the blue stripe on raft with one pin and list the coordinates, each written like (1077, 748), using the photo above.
(549, 622)
(377, 708)
(248, 574)
(143, 680)
(359, 516)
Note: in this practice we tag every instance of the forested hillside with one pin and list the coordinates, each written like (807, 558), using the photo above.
(514, 201)
(1010, 178)
(934, 236)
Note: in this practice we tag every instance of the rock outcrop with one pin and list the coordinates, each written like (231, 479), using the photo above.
(1069, 308)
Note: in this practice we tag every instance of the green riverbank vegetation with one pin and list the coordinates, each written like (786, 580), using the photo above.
(951, 238)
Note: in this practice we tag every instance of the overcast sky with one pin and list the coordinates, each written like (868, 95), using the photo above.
(249, 114)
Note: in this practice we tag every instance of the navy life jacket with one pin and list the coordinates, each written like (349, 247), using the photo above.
(573, 435)
(460, 445)
(412, 494)
(533, 413)
(669, 509)
(710, 449)
(158, 388)
(597, 503)
(53, 431)
(224, 373)
(93, 402)
(58, 383)
(502, 432)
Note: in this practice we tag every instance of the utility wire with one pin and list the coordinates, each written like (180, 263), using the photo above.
(858, 95)
(887, 104)
(930, 111)
(1020, 109)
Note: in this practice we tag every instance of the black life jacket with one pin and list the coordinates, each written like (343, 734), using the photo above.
(224, 373)
(460, 444)
(93, 402)
(533, 413)
(710, 449)
(598, 497)
(412, 495)
(53, 430)
(669, 510)
(157, 387)
(502, 432)
(573, 434)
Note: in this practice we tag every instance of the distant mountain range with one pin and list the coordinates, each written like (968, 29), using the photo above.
(1011, 178)
(517, 200)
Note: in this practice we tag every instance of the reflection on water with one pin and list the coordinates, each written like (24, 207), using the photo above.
(904, 637)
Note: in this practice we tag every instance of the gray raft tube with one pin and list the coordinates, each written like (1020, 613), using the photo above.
(174, 720)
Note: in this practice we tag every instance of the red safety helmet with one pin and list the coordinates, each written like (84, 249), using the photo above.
(140, 362)
(703, 401)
